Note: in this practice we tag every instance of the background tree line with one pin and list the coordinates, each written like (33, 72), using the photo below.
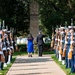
(52, 13)
(16, 14)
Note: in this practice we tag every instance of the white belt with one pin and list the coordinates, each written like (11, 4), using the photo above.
(8, 48)
(1, 52)
(11, 47)
(4, 48)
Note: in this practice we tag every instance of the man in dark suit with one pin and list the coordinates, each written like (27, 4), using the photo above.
(40, 43)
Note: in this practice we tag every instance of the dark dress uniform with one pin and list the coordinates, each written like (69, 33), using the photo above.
(67, 50)
(73, 57)
(40, 43)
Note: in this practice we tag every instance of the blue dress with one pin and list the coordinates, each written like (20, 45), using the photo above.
(30, 47)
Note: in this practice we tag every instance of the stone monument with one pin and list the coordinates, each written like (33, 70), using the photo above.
(34, 18)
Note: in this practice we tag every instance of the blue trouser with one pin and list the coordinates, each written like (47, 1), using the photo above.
(54, 51)
(73, 63)
(0, 65)
(68, 61)
(57, 54)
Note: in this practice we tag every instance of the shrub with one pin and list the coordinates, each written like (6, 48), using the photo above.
(46, 46)
(22, 47)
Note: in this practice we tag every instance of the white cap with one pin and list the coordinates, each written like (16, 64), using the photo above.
(70, 26)
(4, 30)
(73, 26)
(8, 31)
(65, 27)
(59, 28)
(62, 27)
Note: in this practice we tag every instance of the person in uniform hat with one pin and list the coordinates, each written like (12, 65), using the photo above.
(73, 53)
(62, 41)
(1, 55)
(4, 35)
(68, 61)
(56, 42)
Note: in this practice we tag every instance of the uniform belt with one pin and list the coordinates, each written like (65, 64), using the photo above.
(67, 44)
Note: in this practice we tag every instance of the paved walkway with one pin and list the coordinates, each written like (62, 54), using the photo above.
(35, 66)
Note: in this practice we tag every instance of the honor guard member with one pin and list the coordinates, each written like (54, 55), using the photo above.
(0, 32)
(64, 47)
(4, 49)
(8, 49)
(68, 61)
(11, 44)
(1, 55)
(58, 45)
(73, 53)
(59, 50)
(53, 42)
(62, 35)
(62, 41)
(56, 42)
(71, 47)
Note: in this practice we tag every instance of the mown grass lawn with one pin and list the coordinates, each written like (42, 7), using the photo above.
(67, 71)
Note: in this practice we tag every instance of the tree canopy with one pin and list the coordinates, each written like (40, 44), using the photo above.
(52, 13)
(15, 13)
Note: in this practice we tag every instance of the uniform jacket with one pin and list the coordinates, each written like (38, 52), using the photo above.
(39, 39)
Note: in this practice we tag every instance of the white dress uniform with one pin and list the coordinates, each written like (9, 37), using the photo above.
(4, 51)
(1, 54)
(9, 50)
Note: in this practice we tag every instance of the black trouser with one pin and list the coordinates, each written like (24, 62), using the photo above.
(40, 47)
(1, 65)
(5, 54)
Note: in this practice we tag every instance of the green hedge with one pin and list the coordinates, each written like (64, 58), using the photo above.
(22, 47)
(46, 46)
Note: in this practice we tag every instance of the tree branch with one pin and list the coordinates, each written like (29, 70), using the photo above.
(55, 7)
(69, 4)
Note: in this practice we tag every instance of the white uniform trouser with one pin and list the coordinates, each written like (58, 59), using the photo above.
(63, 62)
(9, 58)
(60, 58)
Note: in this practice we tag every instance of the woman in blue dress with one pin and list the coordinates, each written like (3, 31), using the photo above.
(30, 48)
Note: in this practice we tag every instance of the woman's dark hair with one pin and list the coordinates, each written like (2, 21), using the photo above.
(30, 35)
